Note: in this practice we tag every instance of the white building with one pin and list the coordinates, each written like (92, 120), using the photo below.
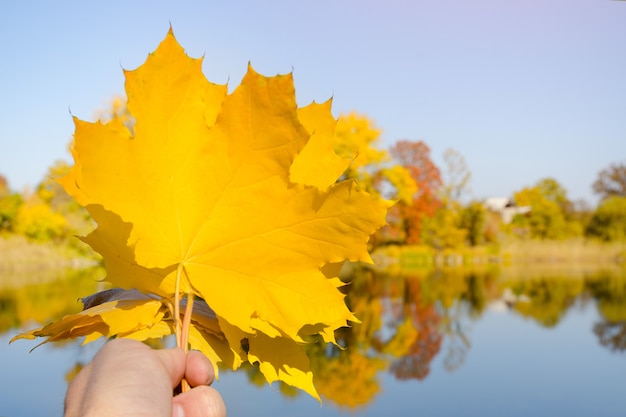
(506, 207)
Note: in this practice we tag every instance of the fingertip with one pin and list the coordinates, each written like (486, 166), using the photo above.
(199, 369)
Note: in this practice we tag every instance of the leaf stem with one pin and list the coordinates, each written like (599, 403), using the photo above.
(182, 327)
(176, 318)
(187, 321)
(185, 333)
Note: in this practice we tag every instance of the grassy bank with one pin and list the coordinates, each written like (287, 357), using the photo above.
(575, 252)
(18, 253)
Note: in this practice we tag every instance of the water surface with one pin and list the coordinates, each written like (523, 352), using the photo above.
(436, 343)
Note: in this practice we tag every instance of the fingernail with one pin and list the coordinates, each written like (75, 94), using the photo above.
(178, 411)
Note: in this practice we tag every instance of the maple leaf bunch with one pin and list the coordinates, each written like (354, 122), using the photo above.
(220, 218)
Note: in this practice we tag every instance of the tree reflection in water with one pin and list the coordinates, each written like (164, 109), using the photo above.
(44, 296)
(610, 296)
(407, 318)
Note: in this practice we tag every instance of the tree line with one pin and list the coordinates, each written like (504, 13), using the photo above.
(428, 211)
(432, 212)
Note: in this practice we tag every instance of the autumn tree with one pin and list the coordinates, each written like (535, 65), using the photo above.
(550, 215)
(117, 109)
(9, 205)
(36, 220)
(611, 181)
(553, 191)
(415, 157)
(442, 231)
(473, 219)
(545, 220)
(50, 192)
(574, 218)
(357, 138)
(4, 187)
(446, 229)
(608, 221)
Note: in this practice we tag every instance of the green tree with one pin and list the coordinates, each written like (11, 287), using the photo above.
(553, 191)
(442, 230)
(50, 192)
(552, 215)
(473, 219)
(573, 212)
(9, 206)
(608, 222)
(36, 220)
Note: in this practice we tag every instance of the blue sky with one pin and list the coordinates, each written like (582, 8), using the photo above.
(523, 89)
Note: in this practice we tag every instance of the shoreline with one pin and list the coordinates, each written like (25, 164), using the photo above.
(543, 253)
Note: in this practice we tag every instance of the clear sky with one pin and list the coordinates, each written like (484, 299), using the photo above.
(523, 89)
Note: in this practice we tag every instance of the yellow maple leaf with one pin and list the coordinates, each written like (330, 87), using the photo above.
(228, 197)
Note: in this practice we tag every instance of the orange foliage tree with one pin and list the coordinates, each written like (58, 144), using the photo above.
(415, 157)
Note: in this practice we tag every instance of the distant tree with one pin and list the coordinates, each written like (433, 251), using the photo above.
(457, 176)
(553, 191)
(9, 205)
(473, 219)
(415, 157)
(37, 221)
(493, 226)
(356, 138)
(608, 222)
(578, 215)
(49, 190)
(611, 181)
(545, 220)
(442, 230)
(573, 212)
(4, 187)
(552, 215)
(396, 183)
(117, 110)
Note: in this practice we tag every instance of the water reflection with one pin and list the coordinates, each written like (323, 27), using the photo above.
(35, 297)
(405, 318)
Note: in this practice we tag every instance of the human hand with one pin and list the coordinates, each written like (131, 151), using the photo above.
(128, 378)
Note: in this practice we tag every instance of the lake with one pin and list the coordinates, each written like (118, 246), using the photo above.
(490, 341)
